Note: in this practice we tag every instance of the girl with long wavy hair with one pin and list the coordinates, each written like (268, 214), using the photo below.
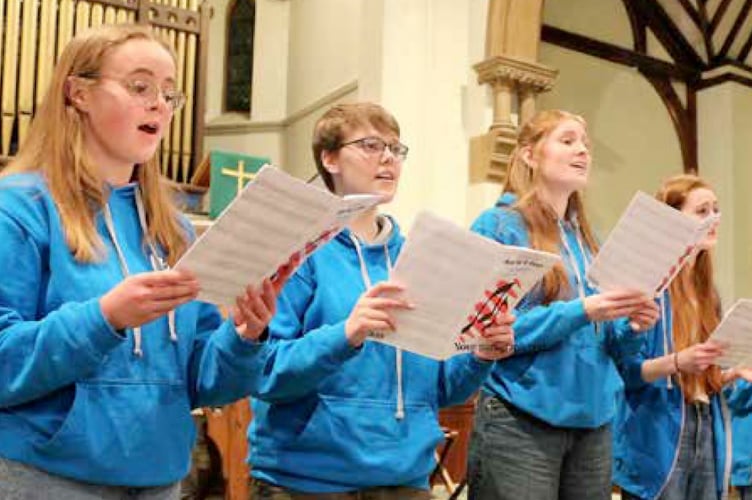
(671, 431)
(542, 428)
(103, 351)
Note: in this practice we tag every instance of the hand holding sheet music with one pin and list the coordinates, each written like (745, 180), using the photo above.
(735, 332)
(276, 219)
(457, 281)
(648, 247)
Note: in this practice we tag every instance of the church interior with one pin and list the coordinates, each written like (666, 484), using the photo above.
(665, 87)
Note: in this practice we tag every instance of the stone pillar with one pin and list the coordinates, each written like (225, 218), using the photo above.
(515, 78)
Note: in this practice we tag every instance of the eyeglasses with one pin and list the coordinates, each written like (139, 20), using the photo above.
(146, 91)
(375, 146)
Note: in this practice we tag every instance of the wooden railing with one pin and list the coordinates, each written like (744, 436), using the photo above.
(36, 32)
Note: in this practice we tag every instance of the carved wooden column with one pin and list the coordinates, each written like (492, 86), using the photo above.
(510, 68)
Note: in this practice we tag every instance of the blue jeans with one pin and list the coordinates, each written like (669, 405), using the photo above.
(261, 490)
(22, 482)
(693, 477)
(515, 456)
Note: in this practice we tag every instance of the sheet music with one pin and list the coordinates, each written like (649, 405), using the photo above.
(275, 217)
(648, 247)
(447, 271)
(735, 330)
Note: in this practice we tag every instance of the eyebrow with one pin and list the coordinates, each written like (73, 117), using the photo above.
(150, 73)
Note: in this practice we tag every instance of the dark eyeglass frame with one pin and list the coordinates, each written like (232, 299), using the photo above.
(374, 145)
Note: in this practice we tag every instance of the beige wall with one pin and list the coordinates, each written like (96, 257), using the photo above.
(634, 143)
(725, 153)
(303, 63)
(324, 48)
(606, 20)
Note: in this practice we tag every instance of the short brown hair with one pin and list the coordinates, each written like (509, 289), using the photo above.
(329, 131)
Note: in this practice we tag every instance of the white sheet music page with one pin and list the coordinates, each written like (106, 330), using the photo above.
(274, 218)
(735, 330)
(647, 248)
(456, 278)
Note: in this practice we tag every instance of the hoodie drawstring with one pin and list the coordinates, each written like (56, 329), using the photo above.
(666, 348)
(156, 263)
(400, 413)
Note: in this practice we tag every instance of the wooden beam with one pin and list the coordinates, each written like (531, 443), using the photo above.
(718, 15)
(726, 77)
(744, 52)
(639, 32)
(614, 53)
(706, 29)
(723, 53)
(691, 12)
(668, 34)
(683, 118)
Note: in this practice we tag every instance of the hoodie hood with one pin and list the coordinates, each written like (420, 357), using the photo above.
(506, 200)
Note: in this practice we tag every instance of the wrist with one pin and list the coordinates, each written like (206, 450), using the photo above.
(677, 367)
(108, 317)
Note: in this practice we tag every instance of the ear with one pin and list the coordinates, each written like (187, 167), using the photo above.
(77, 93)
(330, 160)
(527, 156)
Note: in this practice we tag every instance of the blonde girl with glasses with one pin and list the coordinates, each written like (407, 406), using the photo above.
(103, 349)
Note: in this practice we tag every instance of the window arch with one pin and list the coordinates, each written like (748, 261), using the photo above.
(241, 25)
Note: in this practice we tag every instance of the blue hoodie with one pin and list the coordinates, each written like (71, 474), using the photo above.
(74, 399)
(332, 418)
(562, 371)
(740, 404)
(648, 425)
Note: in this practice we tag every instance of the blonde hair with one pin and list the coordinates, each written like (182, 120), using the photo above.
(55, 148)
(695, 305)
(540, 218)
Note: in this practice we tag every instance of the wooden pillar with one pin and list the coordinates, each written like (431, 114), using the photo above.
(510, 69)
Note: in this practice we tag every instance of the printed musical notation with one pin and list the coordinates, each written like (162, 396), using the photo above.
(276, 219)
(457, 280)
(648, 247)
(735, 331)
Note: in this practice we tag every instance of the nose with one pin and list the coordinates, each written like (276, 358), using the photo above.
(159, 103)
(387, 156)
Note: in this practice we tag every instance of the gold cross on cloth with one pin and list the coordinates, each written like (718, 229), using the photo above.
(240, 174)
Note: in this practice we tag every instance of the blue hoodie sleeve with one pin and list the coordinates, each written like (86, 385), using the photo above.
(39, 355)
(460, 376)
(739, 396)
(627, 348)
(300, 359)
(542, 327)
(224, 367)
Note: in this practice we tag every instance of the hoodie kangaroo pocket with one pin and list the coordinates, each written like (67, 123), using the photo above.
(368, 422)
(143, 431)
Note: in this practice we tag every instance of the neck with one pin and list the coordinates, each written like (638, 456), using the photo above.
(557, 199)
(364, 226)
(112, 172)
(117, 176)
